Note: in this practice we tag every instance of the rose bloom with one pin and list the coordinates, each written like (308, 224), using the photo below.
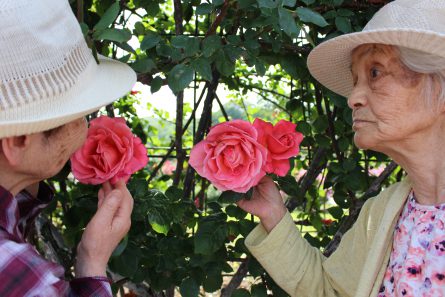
(282, 143)
(230, 157)
(110, 153)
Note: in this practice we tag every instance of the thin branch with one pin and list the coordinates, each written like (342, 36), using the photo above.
(236, 280)
(355, 211)
(218, 19)
(317, 165)
(80, 11)
(204, 122)
(172, 146)
(221, 106)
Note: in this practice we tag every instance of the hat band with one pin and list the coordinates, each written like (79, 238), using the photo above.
(47, 84)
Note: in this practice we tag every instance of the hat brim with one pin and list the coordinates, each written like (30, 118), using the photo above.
(330, 62)
(104, 84)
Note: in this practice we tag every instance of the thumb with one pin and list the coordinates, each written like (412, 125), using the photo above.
(107, 210)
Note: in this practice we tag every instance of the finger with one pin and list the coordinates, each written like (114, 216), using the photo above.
(107, 188)
(108, 209)
(121, 185)
(126, 207)
(100, 198)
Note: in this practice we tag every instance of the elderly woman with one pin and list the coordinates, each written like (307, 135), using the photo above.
(393, 74)
(49, 81)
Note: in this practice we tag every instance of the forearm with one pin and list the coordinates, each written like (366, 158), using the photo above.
(295, 266)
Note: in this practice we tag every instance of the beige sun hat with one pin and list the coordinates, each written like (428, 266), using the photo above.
(48, 76)
(415, 24)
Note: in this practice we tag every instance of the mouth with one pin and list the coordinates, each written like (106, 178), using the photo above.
(357, 123)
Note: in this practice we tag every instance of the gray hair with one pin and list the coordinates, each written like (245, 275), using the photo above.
(426, 63)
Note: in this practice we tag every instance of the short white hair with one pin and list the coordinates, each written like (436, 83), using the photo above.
(426, 63)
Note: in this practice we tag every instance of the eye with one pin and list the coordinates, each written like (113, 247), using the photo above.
(374, 72)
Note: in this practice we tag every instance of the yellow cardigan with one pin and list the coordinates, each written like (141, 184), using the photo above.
(356, 268)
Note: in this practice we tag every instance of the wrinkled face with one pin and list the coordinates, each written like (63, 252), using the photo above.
(56, 147)
(387, 104)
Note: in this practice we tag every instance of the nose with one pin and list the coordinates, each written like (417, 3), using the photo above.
(357, 98)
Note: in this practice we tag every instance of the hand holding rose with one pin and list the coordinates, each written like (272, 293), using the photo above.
(105, 230)
(266, 203)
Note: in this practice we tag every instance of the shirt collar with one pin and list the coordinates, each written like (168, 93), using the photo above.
(16, 213)
(9, 212)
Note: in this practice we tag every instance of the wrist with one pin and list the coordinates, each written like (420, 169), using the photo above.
(89, 269)
(273, 218)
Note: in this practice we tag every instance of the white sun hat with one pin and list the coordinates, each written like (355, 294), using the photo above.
(415, 24)
(48, 75)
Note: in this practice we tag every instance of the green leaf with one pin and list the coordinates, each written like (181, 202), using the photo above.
(121, 247)
(289, 3)
(304, 128)
(260, 68)
(180, 41)
(243, 4)
(202, 66)
(189, 288)
(241, 293)
(180, 77)
(224, 65)
(287, 22)
(210, 45)
(308, 2)
(139, 28)
(113, 34)
(156, 84)
(189, 44)
(143, 65)
(345, 12)
(322, 140)
(213, 280)
(343, 24)
(268, 3)
(343, 144)
(174, 193)
(321, 124)
(203, 9)
(309, 16)
(158, 222)
(84, 28)
(217, 2)
(210, 236)
(108, 17)
(258, 290)
(150, 40)
(336, 212)
(230, 197)
(293, 105)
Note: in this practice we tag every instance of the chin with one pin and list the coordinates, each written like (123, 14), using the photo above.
(363, 143)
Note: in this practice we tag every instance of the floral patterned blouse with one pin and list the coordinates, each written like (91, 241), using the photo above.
(417, 263)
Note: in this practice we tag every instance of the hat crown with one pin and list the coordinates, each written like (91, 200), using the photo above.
(422, 15)
(42, 51)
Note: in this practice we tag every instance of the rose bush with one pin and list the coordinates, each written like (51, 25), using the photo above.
(230, 157)
(110, 153)
(282, 142)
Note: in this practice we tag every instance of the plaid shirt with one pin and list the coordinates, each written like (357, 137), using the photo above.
(23, 272)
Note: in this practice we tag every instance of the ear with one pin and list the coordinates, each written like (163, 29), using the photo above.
(14, 148)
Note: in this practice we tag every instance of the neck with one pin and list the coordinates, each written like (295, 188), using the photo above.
(15, 182)
(422, 159)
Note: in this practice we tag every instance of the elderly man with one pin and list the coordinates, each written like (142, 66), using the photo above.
(48, 82)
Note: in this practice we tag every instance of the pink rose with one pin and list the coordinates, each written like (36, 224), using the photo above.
(230, 157)
(111, 152)
(282, 143)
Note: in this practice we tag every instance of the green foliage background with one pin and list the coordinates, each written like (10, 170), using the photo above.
(183, 238)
